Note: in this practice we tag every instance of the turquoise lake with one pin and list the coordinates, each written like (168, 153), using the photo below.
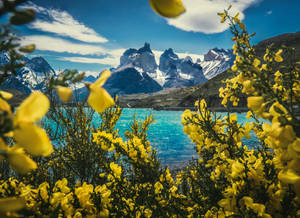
(166, 134)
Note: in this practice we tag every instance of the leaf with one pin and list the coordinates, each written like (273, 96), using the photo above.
(22, 17)
(167, 8)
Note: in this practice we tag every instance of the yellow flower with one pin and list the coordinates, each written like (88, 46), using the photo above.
(19, 161)
(158, 187)
(6, 95)
(32, 108)
(11, 204)
(167, 8)
(104, 213)
(296, 145)
(278, 58)
(43, 190)
(223, 16)
(256, 63)
(64, 93)
(234, 67)
(236, 169)
(255, 102)
(99, 99)
(236, 18)
(233, 117)
(148, 212)
(117, 170)
(28, 136)
(4, 106)
(289, 176)
(33, 139)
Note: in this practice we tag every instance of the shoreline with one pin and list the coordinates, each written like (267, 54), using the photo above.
(163, 108)
(214, 109)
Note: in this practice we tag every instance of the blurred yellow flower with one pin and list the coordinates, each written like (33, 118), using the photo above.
(99, 99)
(64, 93)
(289, 176)
(32, 138)
(11, 204)
(223, 16)
(19, 161)
(32, 108)
(6, 95)
(167, 8)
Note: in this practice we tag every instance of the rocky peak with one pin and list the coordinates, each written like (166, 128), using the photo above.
(170, 54)
(40, 65)
(146, 48)
(188, 59)
(168, 60)
(218, 54)
(33, 75)
(142, 58)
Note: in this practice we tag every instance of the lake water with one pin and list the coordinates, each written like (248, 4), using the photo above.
(166, 134)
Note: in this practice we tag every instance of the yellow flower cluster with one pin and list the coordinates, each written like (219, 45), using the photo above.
(98, 174)
(28, 136)
(250, 182)
(60, 200)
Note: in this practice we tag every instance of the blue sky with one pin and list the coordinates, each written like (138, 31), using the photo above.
(90, 35)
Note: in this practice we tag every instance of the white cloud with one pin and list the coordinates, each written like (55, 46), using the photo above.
(269, 12)
(112, 58)
(107, 60)
(62, 23)
(194, 57)
(46, 43)
(201, 15)
(91, 73)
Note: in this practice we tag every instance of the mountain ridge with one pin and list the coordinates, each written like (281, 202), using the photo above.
(185, 97)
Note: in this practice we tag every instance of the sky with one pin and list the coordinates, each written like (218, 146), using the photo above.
(91, 35)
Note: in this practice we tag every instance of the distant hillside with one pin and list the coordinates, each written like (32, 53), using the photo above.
(288, 39)
(209, 90)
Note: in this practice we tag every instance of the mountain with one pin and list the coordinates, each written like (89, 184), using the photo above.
(13, 83)
(142, 58)
(179, 72)
(287, 39)
(185, 97)
(129, 81)
(170, 72)
(35, 73)
(216, 61)
(89, 78)
(138, 72)
(32, 76)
